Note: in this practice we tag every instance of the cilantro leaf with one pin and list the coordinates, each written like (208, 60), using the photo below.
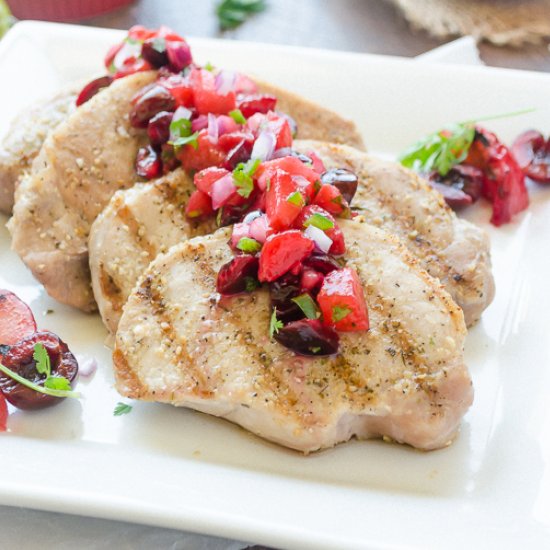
(274, 324)
(242, 177)
(122, 408)
(319, 221)
(231, 13)
(209, 67)
(340, 312)
(180, 132)
(307, 304)
(441, 150)
(246, 244)
(191, 140)
(251, 284)
(57, 383)
(42, 358)
(237, 116)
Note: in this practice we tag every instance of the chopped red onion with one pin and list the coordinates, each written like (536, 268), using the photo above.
(224, 82)
(182, 112)
(322, 241)
(258, 228)
(240, 230)
(213, 129)
(179, 54)
(87, 368)
(226, 125)
(222, 190)
(200, 123)
(282, 152)
(264, 146)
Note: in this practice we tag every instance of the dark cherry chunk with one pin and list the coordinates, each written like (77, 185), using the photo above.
(238, 275)
(532, 153)
(19, 359)
(148, 163)
(281, 292)
(153, 50)
(152, 102)
(308, 337)
(92, 88)
(158, 128)
(461, 187)
(344, 180)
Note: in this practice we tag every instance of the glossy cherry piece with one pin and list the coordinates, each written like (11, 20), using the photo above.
(532, 152)
(19, 359)
(148, 163)
(344, 180)
(92, 88)
(16, 319)
(322, 263)
(158, 128)
(308, 337)
(152, 102)
(281, 292)
(153, 50)
(256, 103)
(462, 186)
(3, 413)
(237, 275)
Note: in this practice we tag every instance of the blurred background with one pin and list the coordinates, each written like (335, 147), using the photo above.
(510, 33)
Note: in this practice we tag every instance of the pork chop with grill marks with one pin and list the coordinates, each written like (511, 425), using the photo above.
(25, 137)
(141, 222)
(84, 161)
(405, 378)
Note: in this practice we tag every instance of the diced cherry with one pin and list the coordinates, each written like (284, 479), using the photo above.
(342, 301)
(16, 319)
(256, 103)
(19, 359)
(148, 163)
(344, 180)
(239, 153)
(199, 205)
(321, 263)
(281, 252)
(330, 198)
(132, 66)
(311, 280)
(3, 413)
(235, 276)
(308, 337)
(158, 129)
(153, 50)
(461, 186)
(149, 104)
(92, 88)
(281, 292)
(532, 152)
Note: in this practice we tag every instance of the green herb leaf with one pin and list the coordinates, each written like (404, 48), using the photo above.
(246, 244)
(251, 284)
(187, 140)
(319, 221)
(122, 408)
(274, 324)
(237, 116)
(296, 198)
(231, 13)
(40, 355)
(57, 383)
(440, 151)
(315, 349)
(209, 66)
(340, 312)
(307, 304)
(6, 18)
(40, 389)
(242, 177)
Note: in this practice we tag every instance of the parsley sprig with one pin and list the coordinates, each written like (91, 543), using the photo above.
(232, 13)
(242, 177)
(274, 324)
(56, 386)
(122, 408)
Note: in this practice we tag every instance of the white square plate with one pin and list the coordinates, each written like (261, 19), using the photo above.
(176, 468)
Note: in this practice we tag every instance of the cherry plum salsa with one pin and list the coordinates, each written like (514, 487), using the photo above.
(284, 205)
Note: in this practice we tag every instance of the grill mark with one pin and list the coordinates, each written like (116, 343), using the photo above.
(127, 382)
(110, 289)
(151, 291)
(126, 216)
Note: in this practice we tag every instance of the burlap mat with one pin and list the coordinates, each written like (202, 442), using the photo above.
(503, 22)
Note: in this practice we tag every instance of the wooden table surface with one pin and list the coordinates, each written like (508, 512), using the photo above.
(370, 26)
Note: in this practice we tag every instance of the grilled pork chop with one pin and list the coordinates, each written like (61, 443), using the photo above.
(25, 137)
(147, 219)
(405, 378)
(81, 165)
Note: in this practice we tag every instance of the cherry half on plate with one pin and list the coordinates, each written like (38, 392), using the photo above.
(532, 153)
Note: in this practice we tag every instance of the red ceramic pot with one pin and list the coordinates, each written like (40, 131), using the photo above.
(63, 10)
